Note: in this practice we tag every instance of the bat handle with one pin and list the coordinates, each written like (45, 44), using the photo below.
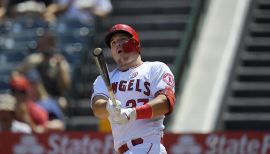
(112, 96)
(114, 101)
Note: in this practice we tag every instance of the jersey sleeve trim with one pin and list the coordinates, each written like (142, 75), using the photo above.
(168, 92)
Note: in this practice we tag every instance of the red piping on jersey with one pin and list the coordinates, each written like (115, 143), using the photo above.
(150, 148)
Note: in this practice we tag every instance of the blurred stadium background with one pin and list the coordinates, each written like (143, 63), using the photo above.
(219, 52)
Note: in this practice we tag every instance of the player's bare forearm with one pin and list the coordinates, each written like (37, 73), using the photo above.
(99, 107)
(160, 105)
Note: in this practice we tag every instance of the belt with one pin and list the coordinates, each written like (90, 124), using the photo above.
(124, 148)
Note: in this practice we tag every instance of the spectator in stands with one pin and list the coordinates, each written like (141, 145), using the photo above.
(8, 122)
(3, 4)
(52, 66)
(38, 94)
(26, 110)
(28, 7)
(83, 10)
(86, 12)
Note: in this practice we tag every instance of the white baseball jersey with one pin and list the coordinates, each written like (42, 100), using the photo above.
(132, 88)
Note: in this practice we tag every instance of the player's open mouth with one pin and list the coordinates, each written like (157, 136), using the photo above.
(119, 51)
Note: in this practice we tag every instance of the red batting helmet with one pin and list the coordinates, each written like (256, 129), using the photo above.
(121, 28)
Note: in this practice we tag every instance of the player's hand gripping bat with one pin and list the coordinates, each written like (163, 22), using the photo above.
(103, 70)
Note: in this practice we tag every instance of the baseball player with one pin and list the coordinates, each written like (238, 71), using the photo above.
(144, 93)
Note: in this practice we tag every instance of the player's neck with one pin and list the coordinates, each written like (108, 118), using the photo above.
(133, 64)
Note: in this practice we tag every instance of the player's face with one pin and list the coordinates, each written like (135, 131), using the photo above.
(123, 59)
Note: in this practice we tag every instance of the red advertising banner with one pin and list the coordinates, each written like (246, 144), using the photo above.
(98, 143)
(219, 143)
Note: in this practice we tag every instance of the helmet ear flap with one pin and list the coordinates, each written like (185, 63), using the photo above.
(131, 45)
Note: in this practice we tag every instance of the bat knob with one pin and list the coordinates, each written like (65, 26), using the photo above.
(97, 51)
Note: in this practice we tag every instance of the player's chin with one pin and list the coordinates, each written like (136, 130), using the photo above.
(123, 65)
(122, 61)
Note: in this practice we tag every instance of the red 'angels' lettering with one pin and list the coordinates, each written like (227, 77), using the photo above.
(132, 85)
(133, 103)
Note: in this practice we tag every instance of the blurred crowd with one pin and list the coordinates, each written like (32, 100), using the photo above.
(51, 10)
(38, 85)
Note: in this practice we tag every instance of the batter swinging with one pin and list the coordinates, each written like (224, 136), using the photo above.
(144, 93)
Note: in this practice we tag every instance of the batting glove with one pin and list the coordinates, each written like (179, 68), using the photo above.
(126, 115)
(113, 109)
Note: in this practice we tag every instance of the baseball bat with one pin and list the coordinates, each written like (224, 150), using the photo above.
(103, 71)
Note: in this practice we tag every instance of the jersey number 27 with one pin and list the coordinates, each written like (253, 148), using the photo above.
(133, 103)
